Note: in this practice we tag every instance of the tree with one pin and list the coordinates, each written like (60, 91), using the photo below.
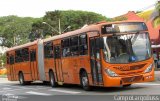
(14, 30)
(138, 12)
(158, 6)
(75, 19)
(157, 19)
(119, 18)
(37, 30)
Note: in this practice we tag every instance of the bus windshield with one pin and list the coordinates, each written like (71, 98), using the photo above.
(127, 48)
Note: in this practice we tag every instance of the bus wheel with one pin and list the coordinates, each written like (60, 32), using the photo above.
(52, 79)
(128, 85)
(85, 81)
(21, 79)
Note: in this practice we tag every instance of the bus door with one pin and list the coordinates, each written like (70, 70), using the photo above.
(95, 61)
(33, 65)
(12, 68)
(58, 64)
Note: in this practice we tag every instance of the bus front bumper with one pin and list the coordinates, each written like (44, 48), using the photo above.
(125, 80)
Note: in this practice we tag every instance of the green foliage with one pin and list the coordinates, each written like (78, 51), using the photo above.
(75, 19)
(2, 58)
(119, 18)
(138, 12)
(157, 22)
(15, 30)
(158, 6)
(37, 30)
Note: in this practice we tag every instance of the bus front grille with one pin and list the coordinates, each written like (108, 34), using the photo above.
(132, 79)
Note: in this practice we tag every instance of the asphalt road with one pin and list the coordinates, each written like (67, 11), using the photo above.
(39, 92)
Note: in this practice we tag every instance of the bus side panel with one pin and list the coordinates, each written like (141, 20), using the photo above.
(8, 72)
(16, 68)
(71, 69)
(74, 76)
(33, 65)
(84, 62)
(48, 65)
(66, 69)
(24, 67)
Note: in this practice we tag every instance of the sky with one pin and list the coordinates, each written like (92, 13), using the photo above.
(37, 8)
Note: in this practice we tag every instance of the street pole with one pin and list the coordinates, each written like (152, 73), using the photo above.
(59, 26)
(14, 40)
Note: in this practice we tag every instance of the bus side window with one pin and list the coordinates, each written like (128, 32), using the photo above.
(83, 47)
(7, 58)
(65, 47)
(11, 59)
(48, 50)
(74, 46)
(57, 53)
(18, 56)
(33, 56)
(25, 54)
(97, 48)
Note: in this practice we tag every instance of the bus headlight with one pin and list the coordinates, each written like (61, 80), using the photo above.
(111, 73)
(149, 68)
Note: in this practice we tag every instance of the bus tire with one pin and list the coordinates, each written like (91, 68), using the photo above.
(52, 79)
(21, 79)
(127, 85)
(85, 81)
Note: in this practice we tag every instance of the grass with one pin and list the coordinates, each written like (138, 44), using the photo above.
(157, 22)
(3, 76)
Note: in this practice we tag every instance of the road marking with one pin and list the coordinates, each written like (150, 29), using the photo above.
(148, 84)
(64, 91)
(10, 90)
(37, 93)
(26, 87)
(6, 88)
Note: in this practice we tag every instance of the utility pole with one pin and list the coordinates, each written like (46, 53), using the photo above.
(59, 26)
(14, 40)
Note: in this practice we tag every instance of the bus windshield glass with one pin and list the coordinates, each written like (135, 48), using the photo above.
(124, 27)
(127, 48)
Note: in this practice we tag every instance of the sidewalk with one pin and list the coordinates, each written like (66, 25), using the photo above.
(4, 80)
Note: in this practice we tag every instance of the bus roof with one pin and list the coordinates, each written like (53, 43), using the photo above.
(78, 31)
(92, 27)
(22, 46)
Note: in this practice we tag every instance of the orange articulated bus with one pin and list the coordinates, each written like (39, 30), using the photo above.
(102, 54)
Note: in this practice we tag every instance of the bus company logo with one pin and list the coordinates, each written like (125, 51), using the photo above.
(123, 68)
(132, 79)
